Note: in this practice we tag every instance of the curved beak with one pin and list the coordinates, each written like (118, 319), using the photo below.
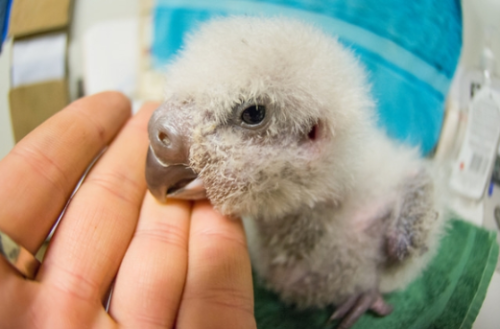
(172, 181)
(167, 172)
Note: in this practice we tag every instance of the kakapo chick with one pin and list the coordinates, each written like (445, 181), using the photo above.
(272, 120)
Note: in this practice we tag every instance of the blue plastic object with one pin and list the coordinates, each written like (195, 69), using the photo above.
(5, 6)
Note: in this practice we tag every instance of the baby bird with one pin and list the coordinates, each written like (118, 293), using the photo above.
(272, 121)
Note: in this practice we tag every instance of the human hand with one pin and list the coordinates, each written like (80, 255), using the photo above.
(177, 265)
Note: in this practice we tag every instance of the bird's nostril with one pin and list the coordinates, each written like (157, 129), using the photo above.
(162, 137)
(167, 142)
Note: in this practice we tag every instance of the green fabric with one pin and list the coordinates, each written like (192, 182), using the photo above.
(449, 294)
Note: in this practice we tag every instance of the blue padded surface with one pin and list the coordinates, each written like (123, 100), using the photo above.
(410, 49)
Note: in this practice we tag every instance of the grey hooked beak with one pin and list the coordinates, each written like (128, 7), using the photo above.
(167, 172)
(172, 181)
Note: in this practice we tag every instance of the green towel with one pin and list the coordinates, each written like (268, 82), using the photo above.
(448, 294)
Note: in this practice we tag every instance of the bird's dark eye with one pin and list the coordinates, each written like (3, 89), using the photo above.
(254, 114)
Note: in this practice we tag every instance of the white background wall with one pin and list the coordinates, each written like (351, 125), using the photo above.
(476, 14)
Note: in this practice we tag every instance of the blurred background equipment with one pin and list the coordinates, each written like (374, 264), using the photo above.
(39, 88)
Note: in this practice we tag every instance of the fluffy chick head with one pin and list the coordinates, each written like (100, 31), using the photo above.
(274, 112)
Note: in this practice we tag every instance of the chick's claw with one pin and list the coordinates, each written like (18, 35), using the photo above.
(352, 309)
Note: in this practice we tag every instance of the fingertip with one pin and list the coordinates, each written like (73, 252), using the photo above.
(206, 207)
(219, 289)
(148, 108)
(141, 118)
(151, 104)
(107, 100)
(116, 98)
(152, 205)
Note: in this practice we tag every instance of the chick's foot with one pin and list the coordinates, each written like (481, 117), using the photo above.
(354, 307)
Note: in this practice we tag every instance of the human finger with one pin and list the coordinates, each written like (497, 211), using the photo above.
(218, 291)
(151, 278)
(40, 173)
(90, 242)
